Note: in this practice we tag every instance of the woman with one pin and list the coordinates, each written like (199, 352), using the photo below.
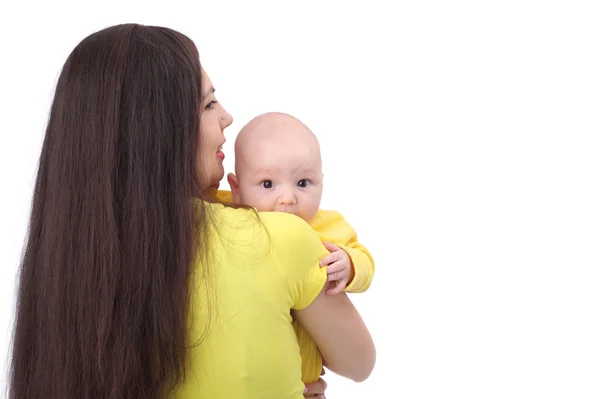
(134, 283)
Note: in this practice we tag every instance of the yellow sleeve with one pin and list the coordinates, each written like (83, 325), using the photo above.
(299, 251)
(332, 227)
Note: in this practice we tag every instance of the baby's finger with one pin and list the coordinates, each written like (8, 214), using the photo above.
(335, 267)
(338, 288)
(329, 259)
(331, 247)
(336, 275)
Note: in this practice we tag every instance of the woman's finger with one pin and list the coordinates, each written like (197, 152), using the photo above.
(315, 388)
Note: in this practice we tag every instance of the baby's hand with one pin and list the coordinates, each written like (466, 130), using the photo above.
(339, 267)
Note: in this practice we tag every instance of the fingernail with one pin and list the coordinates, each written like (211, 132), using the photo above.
(305, 390)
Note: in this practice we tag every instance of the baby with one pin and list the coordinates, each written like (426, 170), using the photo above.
(278, 168)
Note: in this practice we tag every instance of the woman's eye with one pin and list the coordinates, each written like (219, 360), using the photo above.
(267, 184)
(211, 105)
(304, 183)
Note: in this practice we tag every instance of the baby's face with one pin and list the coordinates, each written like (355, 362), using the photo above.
(282, 177)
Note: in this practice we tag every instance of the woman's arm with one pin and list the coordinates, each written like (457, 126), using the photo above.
(341, 335)
(332, 320)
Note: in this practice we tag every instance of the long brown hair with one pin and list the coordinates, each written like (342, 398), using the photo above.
(103, 288)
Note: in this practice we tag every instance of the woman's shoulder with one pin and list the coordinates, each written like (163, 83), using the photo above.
(291, 243)
(296, 244)
(283, 226)
(286, 228)
(287, 233)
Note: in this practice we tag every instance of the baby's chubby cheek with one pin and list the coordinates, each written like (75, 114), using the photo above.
(265, 208)
(259, 202)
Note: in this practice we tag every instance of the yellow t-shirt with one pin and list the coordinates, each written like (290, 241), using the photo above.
(332, 227)
(258, 270)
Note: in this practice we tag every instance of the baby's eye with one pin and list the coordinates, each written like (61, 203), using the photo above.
(304, 183)
(267, 184)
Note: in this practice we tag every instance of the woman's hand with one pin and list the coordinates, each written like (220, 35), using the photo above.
(316, 390)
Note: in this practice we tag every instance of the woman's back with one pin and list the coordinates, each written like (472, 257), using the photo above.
(254, 276)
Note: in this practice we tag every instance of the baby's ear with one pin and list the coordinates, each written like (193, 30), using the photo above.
(235, 187)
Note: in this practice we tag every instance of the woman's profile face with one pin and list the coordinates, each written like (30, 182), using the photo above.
(213, 121)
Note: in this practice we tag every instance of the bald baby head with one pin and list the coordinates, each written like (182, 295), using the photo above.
(278, 166)
(274, 129)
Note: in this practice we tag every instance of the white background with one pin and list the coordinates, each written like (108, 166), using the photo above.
(460, 138)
